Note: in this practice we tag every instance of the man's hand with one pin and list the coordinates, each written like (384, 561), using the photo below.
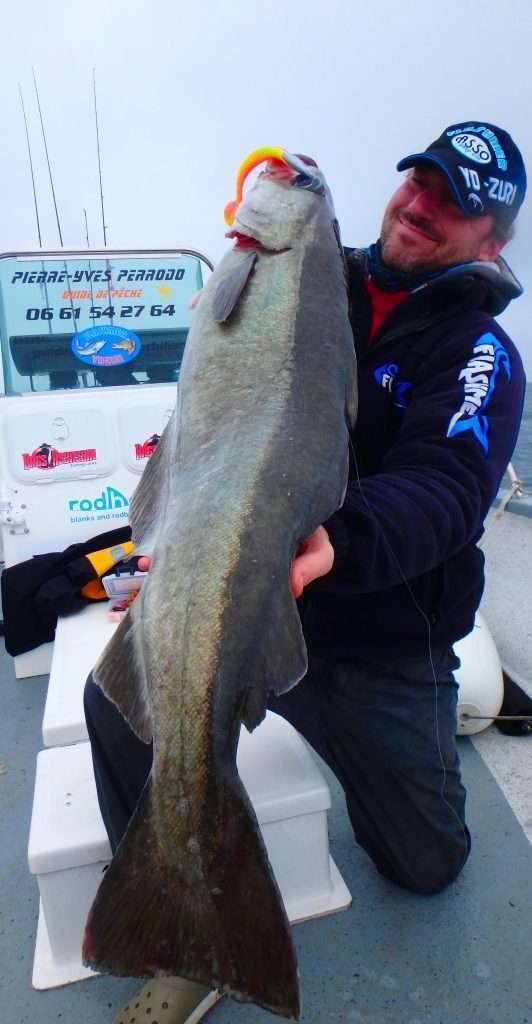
(314, 558)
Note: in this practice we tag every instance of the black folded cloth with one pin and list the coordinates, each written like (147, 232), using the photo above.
(36, 592)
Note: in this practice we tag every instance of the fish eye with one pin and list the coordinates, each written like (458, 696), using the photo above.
(309, 181)
(303, 181)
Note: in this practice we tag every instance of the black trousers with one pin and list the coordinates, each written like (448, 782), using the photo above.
(388, 734)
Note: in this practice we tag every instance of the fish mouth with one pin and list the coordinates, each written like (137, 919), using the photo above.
(245, 241)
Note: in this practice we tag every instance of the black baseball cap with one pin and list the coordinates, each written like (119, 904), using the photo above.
(484, 167)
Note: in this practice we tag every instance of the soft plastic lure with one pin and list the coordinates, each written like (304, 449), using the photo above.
(259, 156)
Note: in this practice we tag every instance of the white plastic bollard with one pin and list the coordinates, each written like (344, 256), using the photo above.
(480, 680)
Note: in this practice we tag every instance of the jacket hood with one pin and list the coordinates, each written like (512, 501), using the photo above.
(482, 285)
(500, 283)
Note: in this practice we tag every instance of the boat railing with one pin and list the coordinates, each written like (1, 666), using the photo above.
(516, 493)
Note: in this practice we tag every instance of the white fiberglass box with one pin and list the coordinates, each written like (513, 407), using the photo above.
(70, 462)
(79, 641)
(68, 846)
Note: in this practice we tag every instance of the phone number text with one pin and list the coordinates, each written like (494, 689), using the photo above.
(96, 312)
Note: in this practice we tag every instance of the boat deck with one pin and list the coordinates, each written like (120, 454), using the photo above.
(462, 957)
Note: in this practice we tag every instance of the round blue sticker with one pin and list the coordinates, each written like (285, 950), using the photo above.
(106, 345)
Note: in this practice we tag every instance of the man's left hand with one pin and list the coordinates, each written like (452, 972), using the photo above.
(314, 558)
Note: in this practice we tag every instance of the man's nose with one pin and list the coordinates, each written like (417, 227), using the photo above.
(422, 203)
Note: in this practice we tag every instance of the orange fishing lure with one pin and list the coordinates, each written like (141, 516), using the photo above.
(258, 156)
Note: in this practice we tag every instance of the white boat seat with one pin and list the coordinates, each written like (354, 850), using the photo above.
(68, 846)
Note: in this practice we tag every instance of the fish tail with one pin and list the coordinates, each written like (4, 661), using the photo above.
(213, 917)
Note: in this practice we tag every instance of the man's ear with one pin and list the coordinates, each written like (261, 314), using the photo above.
(490, 248)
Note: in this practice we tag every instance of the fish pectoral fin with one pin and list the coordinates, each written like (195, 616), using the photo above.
(232, 284)
(121, 674)
(281, 659)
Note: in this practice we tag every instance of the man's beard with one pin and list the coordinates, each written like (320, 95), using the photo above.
(403, 261)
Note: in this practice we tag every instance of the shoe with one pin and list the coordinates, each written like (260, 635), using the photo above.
(168, 1001)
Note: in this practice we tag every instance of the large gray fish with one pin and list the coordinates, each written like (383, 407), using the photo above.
(254, 459)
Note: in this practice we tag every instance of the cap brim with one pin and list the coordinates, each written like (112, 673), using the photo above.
(427, 158)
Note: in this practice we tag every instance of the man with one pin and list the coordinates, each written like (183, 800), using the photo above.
(396, 573)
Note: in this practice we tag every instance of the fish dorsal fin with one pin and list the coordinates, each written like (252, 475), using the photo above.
(148, 504)
(233, 280)
(120, 673)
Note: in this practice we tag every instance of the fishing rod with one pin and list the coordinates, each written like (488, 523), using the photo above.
(55, 203)
(86, 228)
(31, 166)
(47, 157)
(104, 226)
(89, 262)
(44, 287)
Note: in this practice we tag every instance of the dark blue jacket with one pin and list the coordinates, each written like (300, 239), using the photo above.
(441, 391)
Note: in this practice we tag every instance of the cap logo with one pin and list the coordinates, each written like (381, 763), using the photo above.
(475, 201)
(472, 147)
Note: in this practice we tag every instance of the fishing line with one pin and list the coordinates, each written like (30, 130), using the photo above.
(429, 634)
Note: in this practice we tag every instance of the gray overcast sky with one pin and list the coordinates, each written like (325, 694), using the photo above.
(187, 89)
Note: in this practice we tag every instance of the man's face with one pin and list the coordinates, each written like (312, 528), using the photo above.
(424, 228)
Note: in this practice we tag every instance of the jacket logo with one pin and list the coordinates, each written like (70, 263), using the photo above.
(479, 377)
(386, 377)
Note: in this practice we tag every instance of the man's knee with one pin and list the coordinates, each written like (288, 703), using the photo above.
(430, 883)
(429, 872)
